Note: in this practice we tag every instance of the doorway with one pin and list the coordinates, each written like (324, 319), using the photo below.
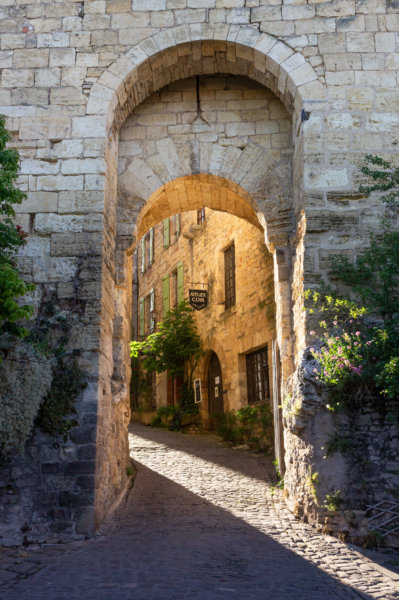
(215, 389)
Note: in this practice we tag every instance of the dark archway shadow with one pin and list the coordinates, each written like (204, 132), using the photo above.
(173, 545)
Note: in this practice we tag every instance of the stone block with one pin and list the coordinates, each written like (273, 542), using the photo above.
(38, 202)
(57, 183)
(47, 77)
(31, 57)
(17, 78)
(80, 202)
(48, 269)
(76, 244)
(62, 57)
(90, 126)
(53, 223)
(360, 42)
(385, 42)
(317, 178)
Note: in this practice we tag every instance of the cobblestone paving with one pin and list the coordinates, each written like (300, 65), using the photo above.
(201, 523)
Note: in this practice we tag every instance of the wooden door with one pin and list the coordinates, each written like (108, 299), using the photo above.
(215, 389)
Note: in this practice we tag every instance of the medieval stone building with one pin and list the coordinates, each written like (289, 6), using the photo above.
(226, 258)
(127, 112)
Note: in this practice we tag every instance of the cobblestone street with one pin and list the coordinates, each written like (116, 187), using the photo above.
(201, 522)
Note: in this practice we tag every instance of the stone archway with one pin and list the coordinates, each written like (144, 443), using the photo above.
(169, 56)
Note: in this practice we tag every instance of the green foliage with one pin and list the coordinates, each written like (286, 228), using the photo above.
(129, 471)
(338, 443)
(12, 237)
(333, 501)
(280, 482)
(165, 415)
(187, 403)
(175, 343)
(374, 277)
(67, 383)
(251, 425)
(358, 355)
(312, 480)
(385, 179)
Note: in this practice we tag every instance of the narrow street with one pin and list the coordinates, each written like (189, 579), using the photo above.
(202, 523)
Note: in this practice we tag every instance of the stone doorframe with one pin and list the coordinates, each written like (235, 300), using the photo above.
(167, 56)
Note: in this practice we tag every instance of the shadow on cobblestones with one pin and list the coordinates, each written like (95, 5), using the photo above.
(196, 528)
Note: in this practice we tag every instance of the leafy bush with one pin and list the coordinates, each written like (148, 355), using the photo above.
(175, 343)
(358, 339)
(12, 237)
(252, 425)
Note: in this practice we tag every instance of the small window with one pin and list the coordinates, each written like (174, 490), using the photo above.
(229, 277)
(141, 318)
(258, 376)
(166, 233)
(173, 289)
(200, 216)
(177, 225)
(147, 250)
(165, 295)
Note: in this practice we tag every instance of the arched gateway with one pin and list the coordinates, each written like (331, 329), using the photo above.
(167, 57)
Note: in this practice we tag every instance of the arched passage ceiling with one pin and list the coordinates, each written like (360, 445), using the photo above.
(188, 50)
(193, 192)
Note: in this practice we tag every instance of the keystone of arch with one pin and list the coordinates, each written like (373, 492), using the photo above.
(165, 57)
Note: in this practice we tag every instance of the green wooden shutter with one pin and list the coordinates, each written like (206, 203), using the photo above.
(165, 295)
(142, 255)
(180, 282)
(166, 233)
(151, 245)
(142, 318)
(177, 225)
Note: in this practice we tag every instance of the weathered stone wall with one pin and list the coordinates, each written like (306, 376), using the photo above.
(345, 462)
(232, 333)
(72, 72)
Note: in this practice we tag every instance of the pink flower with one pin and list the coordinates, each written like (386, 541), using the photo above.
(312, 332)
(312, 349)
(368, 343)
(335, 322)
(357, 333)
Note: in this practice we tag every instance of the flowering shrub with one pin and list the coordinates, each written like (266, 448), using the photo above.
(356, 350)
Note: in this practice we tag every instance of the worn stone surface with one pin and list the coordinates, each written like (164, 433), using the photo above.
(74, 72)
(202, 522)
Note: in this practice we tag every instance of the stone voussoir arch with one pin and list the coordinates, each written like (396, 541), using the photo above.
(188, 50)
(196, 191)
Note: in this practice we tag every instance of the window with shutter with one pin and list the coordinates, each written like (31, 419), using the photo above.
(152, 300)
(165, 295)
(180, 282)
(151, 246)
(229, 277)
(142, 255)
(141, 318)
(177, 225)
(166, 233)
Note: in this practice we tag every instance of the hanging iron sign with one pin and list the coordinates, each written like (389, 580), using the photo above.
(198, 298)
